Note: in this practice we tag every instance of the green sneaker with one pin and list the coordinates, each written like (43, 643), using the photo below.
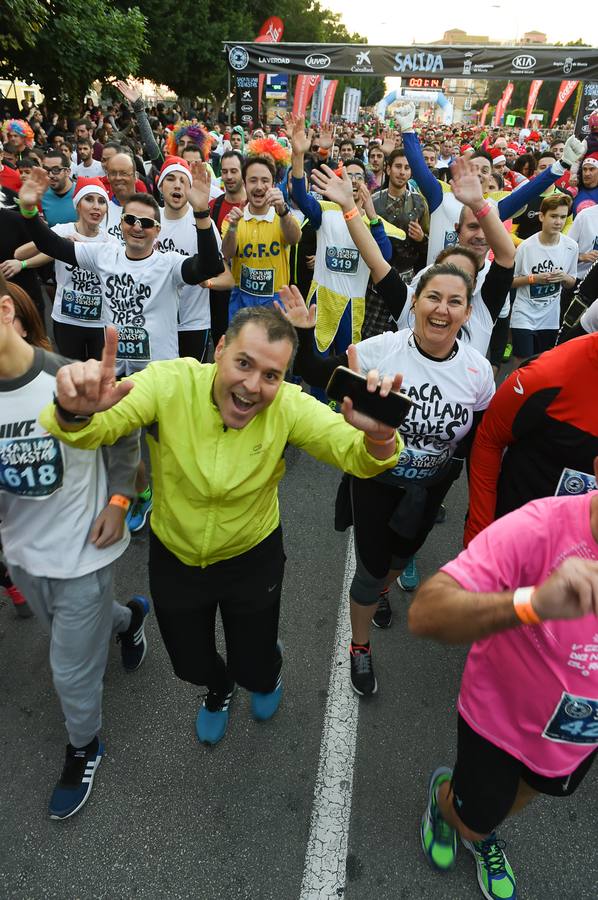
(495, 875)
(507, 353)
(439, 839)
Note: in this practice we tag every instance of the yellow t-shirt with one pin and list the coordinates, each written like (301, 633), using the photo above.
(260, 266)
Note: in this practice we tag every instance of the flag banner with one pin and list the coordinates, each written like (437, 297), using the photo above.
(328, 101)
(534, 90)
(566, 89)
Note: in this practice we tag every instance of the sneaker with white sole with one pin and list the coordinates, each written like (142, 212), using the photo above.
(138, 512)
(438, 838)
(495, 875)
(75, 783)
(212, 718)
(409, 578)
(133, 642)
(363, 680)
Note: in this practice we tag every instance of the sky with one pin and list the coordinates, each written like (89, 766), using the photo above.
(390, 22)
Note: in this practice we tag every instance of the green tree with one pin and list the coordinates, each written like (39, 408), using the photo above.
(20, 24)
(82, 40)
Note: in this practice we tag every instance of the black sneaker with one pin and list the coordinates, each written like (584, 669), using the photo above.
(363, 680)
(383, 615)
(76, 781)
(133, 642)
(441, 515)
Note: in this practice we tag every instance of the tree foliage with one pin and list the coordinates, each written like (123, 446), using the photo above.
(21, 22)
(81, 41)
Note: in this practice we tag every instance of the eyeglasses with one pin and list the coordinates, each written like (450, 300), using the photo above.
(119, 174)
(55, 170)
(356, 176)
(130, 219)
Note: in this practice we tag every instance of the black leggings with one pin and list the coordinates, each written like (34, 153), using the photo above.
(194, 344)
(78, 341)
(247, 589)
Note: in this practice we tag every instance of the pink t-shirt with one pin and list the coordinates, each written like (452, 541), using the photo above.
(533, 690)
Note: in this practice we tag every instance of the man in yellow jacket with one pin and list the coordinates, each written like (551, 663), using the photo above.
(217, 435)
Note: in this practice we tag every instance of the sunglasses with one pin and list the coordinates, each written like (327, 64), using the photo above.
(145, 222)
(55, 170)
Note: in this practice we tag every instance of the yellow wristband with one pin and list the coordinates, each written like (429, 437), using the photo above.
(120, 501)
(522, 604)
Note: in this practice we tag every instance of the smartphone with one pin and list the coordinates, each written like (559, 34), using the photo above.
(392, 410)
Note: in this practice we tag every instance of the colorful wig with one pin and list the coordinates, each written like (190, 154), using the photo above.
(200, 138)
(281, 156)
(20, 127)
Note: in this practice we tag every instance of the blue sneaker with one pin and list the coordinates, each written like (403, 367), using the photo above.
(263, 706)
(133, 642)
(139, 510)
(76, 781)
(212, 718)
(495, 875)
(409, 578)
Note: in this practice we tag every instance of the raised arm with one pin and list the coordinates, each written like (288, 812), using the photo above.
(207, 262)
(468, 190)
(520, 197)
(41, 236)
(300, 143)
(428, 185)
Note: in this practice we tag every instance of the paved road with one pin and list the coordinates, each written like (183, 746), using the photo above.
(171, 819)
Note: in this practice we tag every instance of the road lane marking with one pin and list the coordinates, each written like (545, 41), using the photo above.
(324, 870)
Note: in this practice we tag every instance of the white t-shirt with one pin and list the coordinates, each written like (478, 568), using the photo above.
(443, 221)
(584, 232)
(536, 306)
(113, 228)
(78, 299)
(95, 170)
(141, 297)
(50, 493)
(589, 320)
(180, 236)
(445, 396)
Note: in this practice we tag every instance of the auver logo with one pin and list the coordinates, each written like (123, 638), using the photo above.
(524, 62)
(317, 62)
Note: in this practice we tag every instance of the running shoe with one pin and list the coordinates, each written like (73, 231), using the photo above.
(212, 718)
(138, 513)
(76, 781)
(263, 706)
(409, 578)
(495, 875)
(22, 609)
(507, 353)
(133, 642)
(439, 839)
(383, 615)
(363, 680)
(441, 515)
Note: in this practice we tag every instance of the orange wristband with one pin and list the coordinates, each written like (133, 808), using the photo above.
(322, 153)
(381, 443)
(120, 501)
(522, 604)
(351, 214)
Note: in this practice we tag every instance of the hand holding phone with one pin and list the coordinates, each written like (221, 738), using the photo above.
(369, 403)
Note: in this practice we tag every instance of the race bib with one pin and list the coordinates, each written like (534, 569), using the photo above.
(573, 482)
(133, 344)
(31, 466)
(86, 307)
(257, 282)
(574, 721)
(451, 238)
(343, 260)
(416, 465)
(540, 292)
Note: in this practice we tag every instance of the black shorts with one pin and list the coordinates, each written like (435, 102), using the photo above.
(486, 779)
(528, 343)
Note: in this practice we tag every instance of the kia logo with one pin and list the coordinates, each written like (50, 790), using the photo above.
(317, 62)
(524, 63)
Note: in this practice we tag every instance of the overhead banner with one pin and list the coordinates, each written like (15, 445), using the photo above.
(566, 89)
(534, 90)
(462, 61)
(588, 105)
(247, 102)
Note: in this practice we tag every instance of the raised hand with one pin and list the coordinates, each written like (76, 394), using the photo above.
(405, 117)
(327, 132)
(378, 431)
(388, 143)
(32, 190)
(338, 189)
(465, 183)
(129, 90)
(300, 137)
(365, 199)
(198, 195)
(84, 388)
(573, 150)
(294, 308)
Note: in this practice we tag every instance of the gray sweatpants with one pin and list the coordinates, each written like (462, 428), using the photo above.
(80, 615)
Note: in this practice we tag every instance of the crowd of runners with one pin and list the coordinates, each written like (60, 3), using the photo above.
(169, 277)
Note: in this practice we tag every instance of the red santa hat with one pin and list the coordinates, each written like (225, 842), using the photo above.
(535, 136)
(591, 159)
(498, 156)
(465, 148)
(593, 121)
(85, 186)
(174, 164)
(513, 145)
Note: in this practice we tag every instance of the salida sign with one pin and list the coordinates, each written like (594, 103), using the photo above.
(462, 61)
